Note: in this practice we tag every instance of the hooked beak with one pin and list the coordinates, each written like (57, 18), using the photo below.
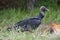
(47, 9)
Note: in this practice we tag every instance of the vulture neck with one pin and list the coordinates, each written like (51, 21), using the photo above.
(41, 15)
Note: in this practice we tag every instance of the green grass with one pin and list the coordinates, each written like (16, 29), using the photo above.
(8, 17)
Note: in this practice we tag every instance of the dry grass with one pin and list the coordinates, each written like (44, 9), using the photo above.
(12, 35)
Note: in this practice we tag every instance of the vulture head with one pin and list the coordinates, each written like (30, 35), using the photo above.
(43, 9)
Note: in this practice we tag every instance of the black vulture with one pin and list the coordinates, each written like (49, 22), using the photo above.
(33, 22)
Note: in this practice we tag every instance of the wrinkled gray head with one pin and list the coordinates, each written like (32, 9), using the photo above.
(43, 9)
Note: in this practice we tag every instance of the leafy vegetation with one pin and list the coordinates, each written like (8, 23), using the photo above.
(8, 17)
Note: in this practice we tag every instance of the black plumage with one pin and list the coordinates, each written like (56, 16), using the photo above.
(33, 22)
